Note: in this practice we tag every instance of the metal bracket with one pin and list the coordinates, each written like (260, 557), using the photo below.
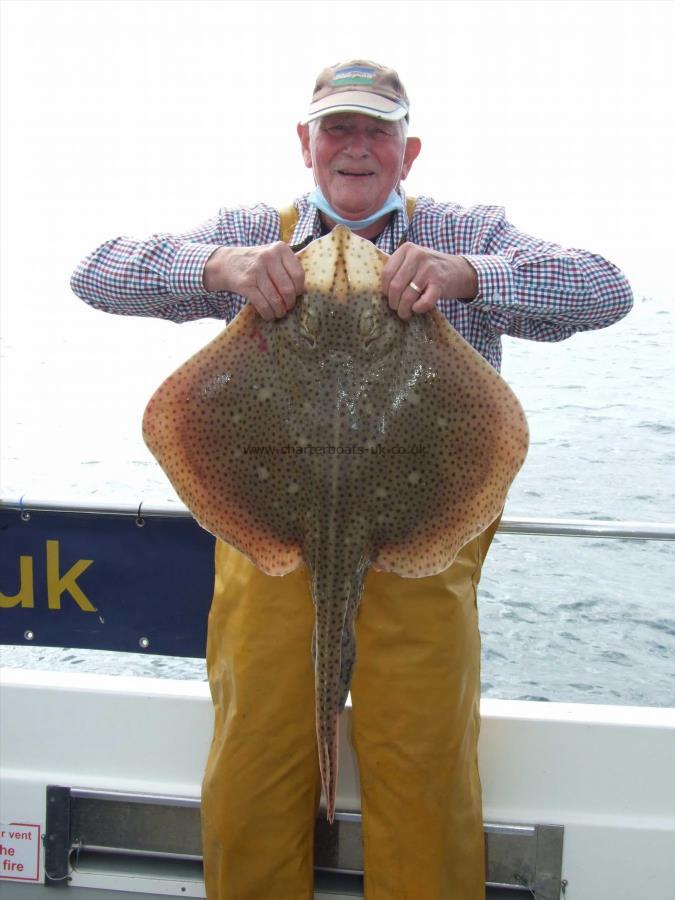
(525, 860)
(56, 838)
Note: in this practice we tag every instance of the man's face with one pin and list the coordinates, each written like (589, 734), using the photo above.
(357, 160)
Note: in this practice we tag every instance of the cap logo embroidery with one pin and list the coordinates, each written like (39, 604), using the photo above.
(354, 75)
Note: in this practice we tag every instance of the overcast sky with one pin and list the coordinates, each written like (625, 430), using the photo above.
(136, 117)
(142, 116)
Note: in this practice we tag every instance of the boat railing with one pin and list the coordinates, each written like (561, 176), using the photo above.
(526, 525)
(138, 577)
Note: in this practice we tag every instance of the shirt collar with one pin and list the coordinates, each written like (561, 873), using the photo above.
(308, 227)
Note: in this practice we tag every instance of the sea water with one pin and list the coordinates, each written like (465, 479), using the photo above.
(564, 619)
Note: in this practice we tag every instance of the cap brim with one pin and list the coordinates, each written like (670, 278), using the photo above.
(364, 102)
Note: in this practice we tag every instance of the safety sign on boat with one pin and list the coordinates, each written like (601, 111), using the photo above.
(20, 852)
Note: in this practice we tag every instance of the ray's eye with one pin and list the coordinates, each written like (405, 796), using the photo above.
(309, 324)
(368, 326)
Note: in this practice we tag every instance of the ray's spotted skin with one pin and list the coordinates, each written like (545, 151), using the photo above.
(341, 437)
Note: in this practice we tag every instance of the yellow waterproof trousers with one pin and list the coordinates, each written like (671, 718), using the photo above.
(415, 723)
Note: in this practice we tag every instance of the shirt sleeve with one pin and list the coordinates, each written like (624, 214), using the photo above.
(163, 275)
(534, 289)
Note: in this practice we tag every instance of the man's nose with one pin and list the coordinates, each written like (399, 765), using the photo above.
(358, 144)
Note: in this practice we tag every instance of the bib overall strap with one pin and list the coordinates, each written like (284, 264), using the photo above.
(410, 207)
(288, 219)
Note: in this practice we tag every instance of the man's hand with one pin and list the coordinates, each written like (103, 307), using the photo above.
(435, 274)
(269, 276)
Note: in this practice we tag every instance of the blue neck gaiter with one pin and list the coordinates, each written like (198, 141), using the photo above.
(392, 204)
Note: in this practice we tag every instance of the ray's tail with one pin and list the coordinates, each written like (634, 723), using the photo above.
(327, 667)
(328, 764)
(336, 590)
(334, 653)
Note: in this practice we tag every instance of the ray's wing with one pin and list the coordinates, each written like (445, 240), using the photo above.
(454, 440)
(222, 429)
(219, 435)
(464, 437)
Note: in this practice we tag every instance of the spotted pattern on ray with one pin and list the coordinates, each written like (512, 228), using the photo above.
(341, 437)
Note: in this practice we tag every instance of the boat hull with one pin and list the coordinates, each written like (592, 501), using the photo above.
(594, 780)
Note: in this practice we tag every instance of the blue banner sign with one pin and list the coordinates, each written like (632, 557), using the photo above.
(105, 582)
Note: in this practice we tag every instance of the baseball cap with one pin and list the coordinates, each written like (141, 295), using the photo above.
(359, 86)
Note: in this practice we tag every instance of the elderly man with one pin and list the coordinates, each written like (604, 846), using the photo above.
(416, 683)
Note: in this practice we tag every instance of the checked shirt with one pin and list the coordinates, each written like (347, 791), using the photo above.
(527, 288)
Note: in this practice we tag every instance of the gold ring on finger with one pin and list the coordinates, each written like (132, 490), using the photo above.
(415, 288)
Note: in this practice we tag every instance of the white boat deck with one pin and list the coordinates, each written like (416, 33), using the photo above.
(604, 773)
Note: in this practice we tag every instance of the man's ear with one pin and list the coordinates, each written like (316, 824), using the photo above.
(413, 146)
(303, 134)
